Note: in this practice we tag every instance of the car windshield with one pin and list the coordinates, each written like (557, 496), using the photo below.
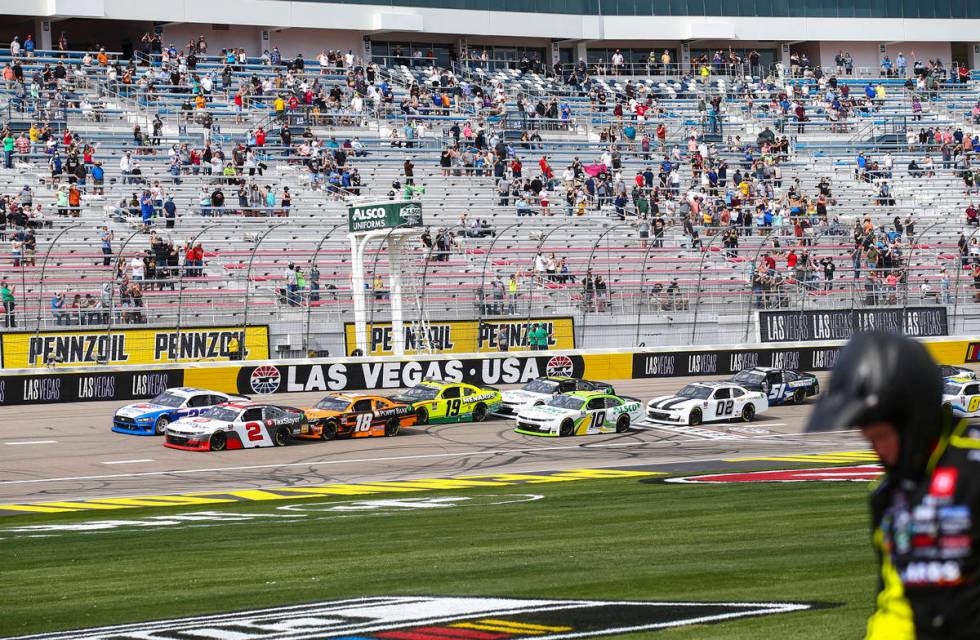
(421, 393)
(541, 385)
(749, 376)
(566, 402)
(167, 399)
(952, 389)
(695, 391)
(224, 414)
(332, 404)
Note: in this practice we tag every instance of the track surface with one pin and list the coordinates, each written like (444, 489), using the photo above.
(64, 452)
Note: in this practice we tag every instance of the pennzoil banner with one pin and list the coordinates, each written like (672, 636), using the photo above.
(466, 336)
(131, 346)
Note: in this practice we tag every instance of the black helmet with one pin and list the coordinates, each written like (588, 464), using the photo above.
(882, 377)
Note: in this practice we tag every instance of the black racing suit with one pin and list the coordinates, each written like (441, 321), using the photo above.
(928, 544)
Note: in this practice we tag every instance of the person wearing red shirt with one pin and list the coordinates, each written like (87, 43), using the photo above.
(662, 135)
(516, 167)
(293, 103)
(260, 137)
(545, 167)
(792, 259)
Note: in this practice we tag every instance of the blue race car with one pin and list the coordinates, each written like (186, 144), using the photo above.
(781, 386)
(152, 417)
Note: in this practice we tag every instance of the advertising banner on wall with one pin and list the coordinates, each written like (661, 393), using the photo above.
(841, 324)
(667, 364)
(467, 336)
(131, 346)
(84, 387)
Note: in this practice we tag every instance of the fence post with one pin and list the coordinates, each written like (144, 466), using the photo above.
(309, 307)
(180, 285)
(248, 281)
(44, 265)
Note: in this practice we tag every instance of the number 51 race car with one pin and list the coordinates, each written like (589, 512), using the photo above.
(236, 425)
(706, 402)
(151, 417)
(357, 416)
(434, 401)
(580, 413)
(779, 385)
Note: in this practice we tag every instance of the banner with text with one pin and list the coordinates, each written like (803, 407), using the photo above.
(841, 324)
(668, 364)
(131, 346)
(467, 336)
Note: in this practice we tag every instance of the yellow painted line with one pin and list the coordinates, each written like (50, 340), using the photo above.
(490, 627)
(523, 625)
(335, 490)
(33, 508)
(838, 456)
(440, 483)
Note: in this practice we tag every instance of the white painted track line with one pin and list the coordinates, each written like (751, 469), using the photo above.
(129, 461)
(31, 442)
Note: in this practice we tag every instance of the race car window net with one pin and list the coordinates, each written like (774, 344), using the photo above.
(221, 413)
(421, 393)
(566, 402)
(331, 404)
(167, 399)
(450, 392)
(362, 405)
(541, 386)
(723, 394)
(252, 414)
(695, 392)
(951, 389)
(749, 377)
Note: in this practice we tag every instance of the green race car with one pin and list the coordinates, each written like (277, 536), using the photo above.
(437, 402)
(580, 413)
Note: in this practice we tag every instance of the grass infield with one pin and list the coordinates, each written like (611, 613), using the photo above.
(601, 539)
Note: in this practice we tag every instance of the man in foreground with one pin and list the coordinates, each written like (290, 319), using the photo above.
(924, 512)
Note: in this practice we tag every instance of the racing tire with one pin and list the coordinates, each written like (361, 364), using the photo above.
(480, 412)
(421, 416)
(623, 424)
(392, 427)
(695, 418)
(281, 437)
(799, 396)
(219, 441)
(328, 430)
(566, 429)
(748, 412)
(161, 425)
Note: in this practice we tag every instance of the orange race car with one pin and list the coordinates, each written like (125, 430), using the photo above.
(357, 416)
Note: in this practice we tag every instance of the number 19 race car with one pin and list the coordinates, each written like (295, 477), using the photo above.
(779, 385)
(152, 417)
(706, 402)
(580, 413)
(236, 425)
(434, 401)
(357, 416)
(540, 390)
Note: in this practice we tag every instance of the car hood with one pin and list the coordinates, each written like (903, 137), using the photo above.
(140, 409)
(667, 403)
(523, 397)
(547, 412)
(197, 426)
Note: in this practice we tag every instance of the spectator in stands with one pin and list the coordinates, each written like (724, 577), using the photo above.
(9, 304)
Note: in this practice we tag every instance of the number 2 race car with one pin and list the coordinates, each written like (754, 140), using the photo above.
(706, 402)
(779, 385)
(540, 390)
(152, 417)
(580, 413)
(434, 401)
(236, 425)
(357, 416)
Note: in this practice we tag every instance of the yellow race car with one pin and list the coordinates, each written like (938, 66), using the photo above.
(437, 402)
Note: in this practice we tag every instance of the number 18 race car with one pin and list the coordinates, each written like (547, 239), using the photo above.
(357, 416)
(706, 402)
(580, 413)
(540, 390)
(236, 425)
(434, 401)
(151, 417)
(779, 385)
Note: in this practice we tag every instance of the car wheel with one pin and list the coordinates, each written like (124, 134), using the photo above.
(480, 412)
(392, 427)
(799, 396)
(219, 441)
(748, 412)
(567, 428)
(623, 424)
(281, 438)
(328, 430)
(695, 418)
(162, 425)
(422, 416)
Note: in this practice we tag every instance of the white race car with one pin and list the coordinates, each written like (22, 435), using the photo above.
(949, 371)
(707, 402)
(541, 390)
(237, 425)
(580, 413)
(962, 395)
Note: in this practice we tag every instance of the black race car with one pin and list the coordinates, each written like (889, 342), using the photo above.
(541, 390)
(781, 386)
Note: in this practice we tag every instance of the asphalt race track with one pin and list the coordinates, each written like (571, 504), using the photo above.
(66, 451)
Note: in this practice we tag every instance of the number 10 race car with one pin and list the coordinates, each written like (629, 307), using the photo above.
(236, 425)
(580, 413)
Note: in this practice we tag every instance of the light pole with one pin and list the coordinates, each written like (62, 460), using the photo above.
(44, 265)
(180, 286)
(309, 307)
(248, 282)
(705, 251)
(755, 259)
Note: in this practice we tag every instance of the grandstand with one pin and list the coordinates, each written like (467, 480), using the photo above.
(657, 197)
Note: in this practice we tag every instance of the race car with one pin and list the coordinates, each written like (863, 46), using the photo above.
(779, 385)
(580, 413)
(707, 402)
(540, 390)
(949, 371)
(237, 425)
(151, 418)
(356, 415)
(962, 395)
(436, 402)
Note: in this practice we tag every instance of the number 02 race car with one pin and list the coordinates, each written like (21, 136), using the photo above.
(434, 401)
(357, 416)
(706, 402)
(580, 413)
(540, 390)
(236, 425)
(152, 417)
(779, 385)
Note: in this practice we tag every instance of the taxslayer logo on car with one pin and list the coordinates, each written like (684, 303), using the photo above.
(439, 618)
(864, 473)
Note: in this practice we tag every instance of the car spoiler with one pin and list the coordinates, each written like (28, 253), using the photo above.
(631, 399)
(489, 388)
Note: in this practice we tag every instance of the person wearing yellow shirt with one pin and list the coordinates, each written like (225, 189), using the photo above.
(234, 349)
